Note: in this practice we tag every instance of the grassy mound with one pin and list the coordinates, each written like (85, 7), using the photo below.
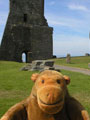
(15, 85)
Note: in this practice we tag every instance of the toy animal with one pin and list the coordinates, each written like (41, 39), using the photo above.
(49, 100)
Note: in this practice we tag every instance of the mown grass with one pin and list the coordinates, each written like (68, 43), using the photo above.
(81, 62)
(15, 85)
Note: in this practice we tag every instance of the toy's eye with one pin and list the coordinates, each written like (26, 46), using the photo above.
(42, 81)
(58, 81)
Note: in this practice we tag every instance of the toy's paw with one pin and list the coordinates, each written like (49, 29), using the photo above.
(5, 117)
(85, 115)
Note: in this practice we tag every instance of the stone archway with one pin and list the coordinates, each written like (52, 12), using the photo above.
(24, 57)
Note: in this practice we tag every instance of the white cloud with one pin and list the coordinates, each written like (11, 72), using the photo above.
(72, 23)
(76, 24)
(1, 34)
(57, 23)
(75, 45)
(4, 3)
(78, 7)
(0, 39)
(1, 2)
(52, 3)
(3, 18)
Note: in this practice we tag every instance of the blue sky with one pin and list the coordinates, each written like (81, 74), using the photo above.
(70, 20)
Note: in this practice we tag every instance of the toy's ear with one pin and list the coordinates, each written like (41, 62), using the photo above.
(34, 77)
(67, 79)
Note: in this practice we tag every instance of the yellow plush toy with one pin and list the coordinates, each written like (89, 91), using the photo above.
(49, 100)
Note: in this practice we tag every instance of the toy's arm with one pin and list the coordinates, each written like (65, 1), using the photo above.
(75, 110)
(17, 112)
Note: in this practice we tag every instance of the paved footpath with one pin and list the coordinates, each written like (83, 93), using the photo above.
(75, 69)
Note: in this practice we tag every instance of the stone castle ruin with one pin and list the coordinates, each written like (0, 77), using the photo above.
(26, 31)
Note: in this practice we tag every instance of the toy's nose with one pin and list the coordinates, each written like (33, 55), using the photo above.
(50, 97)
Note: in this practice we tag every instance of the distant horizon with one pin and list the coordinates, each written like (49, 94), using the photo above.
(57, 56)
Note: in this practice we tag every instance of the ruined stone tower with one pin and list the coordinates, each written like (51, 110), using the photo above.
(26, 32)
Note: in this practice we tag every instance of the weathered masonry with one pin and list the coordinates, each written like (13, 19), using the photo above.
(26, 31)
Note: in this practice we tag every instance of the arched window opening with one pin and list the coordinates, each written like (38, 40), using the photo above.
(24, 57)
(25, 18)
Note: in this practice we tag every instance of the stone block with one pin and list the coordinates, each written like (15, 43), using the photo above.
(68, 58)
(49, 63)
(37, 62)
(88, 65)
(40, 65)
(87, 54)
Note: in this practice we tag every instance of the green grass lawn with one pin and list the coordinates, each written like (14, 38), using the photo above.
(15, 85)
(81, 62)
